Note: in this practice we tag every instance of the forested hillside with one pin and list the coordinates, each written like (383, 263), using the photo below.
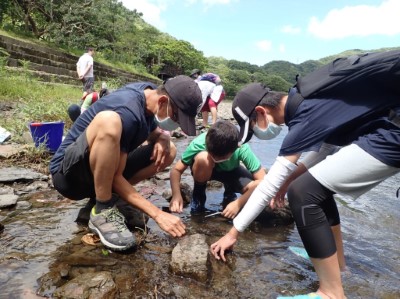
(122, 38)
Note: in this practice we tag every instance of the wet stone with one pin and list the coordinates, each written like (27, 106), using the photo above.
(6, 190)
(12, 174)
(162, 176)
(214, 184)
(8, 200)
(278, 216)
(49, 282)
(190, 258)
(37, 185)
(99, 285)
(23, 205)
(81, 259)
(186, 193)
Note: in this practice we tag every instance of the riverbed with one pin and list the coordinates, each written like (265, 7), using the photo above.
(42, 231)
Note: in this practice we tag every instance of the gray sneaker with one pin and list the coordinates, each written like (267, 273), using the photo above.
(110, 226)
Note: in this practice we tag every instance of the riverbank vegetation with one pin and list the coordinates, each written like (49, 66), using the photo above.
(123, 39)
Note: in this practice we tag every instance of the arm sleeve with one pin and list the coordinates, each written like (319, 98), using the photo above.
(265, 191)
(313, 158)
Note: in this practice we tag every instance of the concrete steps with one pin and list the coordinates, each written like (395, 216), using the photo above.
(52, 65)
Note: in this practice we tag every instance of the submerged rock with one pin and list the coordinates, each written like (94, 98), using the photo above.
(190, 258)
(186, 193)
(99, 285)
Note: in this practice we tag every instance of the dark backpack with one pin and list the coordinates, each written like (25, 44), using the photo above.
(344, 76)
(382, 69)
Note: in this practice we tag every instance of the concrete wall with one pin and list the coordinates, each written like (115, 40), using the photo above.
(57, 66)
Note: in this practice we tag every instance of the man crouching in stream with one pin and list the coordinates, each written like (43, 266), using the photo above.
(104, 153)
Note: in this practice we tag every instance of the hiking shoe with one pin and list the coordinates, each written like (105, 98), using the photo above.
(198, 199)
(110, 226)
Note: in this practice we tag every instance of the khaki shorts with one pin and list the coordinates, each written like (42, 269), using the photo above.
(351, 171)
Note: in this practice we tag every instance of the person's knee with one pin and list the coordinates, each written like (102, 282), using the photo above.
(202, 167)
(172, 154)
(297, 194)
(105, 127)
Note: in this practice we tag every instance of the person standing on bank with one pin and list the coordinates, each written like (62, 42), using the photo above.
(84, 68)
(104, 152)
(354, 145)
(195, 75)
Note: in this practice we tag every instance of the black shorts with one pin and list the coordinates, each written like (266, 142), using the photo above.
(74, 179)
(235, 180)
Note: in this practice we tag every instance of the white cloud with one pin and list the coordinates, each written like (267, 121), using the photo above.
(282, 48)
(290, 29)
(151, 10)
(361, 20)
(264, 45)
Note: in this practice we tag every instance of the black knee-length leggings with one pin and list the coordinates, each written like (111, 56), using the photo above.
(314, 210)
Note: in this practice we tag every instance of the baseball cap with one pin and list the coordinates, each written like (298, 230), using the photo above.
(243, 107)
(186, 95)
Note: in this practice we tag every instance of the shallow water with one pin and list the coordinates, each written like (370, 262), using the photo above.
(261, 265)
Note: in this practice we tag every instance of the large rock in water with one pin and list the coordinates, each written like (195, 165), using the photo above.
(190, 258)
(99, 285)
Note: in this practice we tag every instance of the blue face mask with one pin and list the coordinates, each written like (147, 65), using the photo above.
(167, 123)
(270, 132)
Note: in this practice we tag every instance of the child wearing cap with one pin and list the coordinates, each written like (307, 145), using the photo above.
(215, 155)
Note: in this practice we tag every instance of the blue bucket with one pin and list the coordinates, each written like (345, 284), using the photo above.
(48, 134)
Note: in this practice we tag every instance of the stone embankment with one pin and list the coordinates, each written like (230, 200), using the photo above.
(52, 65)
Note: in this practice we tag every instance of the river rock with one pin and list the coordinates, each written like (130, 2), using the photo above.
(8, 200)
(49, 282)
(278, 216)
(186, 193)
(13, 174)
(6, 190)
(34, 186)
(99, 285)
(85, 260)
(190, 258)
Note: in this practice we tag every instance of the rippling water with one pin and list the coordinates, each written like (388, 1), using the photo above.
(261, 265)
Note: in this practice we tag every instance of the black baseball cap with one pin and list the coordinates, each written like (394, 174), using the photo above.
(243, 107)
(186, 95)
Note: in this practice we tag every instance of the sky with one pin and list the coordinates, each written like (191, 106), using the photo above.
(260, 31)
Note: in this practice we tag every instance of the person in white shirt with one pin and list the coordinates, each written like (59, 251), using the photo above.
(84, 68)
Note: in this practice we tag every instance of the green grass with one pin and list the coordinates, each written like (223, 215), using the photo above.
(25, 99)
(78, 52)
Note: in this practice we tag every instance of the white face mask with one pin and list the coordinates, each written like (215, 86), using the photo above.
(220, 160)
(270, 132)
(167, 123)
